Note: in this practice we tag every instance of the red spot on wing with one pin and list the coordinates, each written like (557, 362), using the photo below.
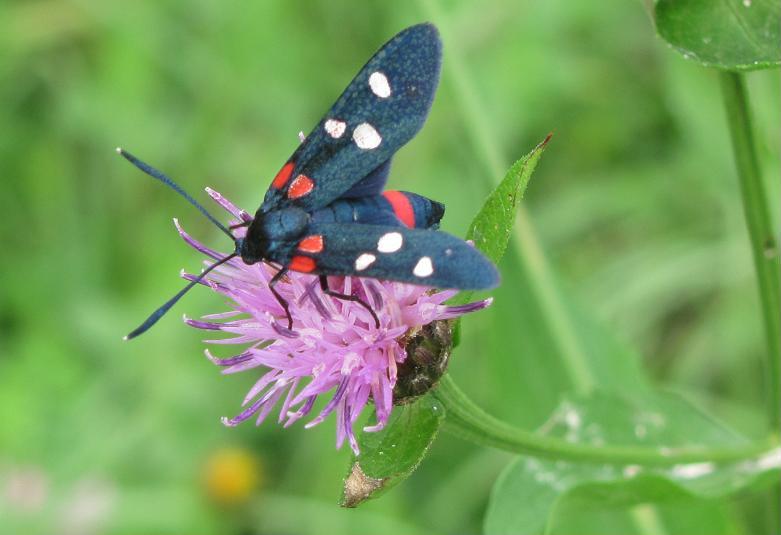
(283, 176)
(402, 207)
(301, 186)
(311, 244)
(304, 264)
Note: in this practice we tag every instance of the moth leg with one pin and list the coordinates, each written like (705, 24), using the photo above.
(354, 298)
(281, 300)
(239, 225)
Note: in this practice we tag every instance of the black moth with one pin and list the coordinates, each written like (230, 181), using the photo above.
(326, 213)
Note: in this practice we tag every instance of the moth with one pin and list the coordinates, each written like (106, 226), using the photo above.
(326, 211)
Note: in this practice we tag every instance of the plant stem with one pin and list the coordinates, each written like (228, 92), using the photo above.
(469, 421)
(763, 242)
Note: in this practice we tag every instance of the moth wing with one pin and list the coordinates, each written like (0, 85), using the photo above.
(417, 256)
(383, 107)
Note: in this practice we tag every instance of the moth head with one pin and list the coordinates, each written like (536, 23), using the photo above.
(252, 248)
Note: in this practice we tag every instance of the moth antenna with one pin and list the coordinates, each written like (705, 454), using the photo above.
(160, 312)
(154, 173)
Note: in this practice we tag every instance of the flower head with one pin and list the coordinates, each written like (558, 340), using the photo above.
(334, 347)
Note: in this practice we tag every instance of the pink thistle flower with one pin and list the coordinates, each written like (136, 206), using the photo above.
(334, 345)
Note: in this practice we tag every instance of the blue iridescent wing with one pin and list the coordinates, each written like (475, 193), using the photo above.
(396, 208)
(371, 184)
(383, 107)
(417, 256)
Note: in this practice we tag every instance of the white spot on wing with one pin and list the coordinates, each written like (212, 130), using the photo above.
(364, 261)
(335, 128)
(301, 137)
(390, 242)
(423, 268)
(379, 84)
(366, 137)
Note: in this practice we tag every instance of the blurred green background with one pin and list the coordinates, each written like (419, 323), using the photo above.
(635, 202)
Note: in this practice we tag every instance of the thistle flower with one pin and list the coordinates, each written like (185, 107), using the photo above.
(334, 346)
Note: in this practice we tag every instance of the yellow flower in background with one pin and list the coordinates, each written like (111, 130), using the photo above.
(231, 475)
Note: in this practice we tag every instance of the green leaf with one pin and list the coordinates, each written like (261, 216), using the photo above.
(389, 456)
(493, 224)
(491, 227)
(727, 34)
(528, 493)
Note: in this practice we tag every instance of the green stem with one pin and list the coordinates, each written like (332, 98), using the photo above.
(469, 421)
(763, 242)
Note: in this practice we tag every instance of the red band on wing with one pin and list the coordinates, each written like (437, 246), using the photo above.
(283, 176)
(311, 244)
(304, 264)
(301, 185)
(402, 207)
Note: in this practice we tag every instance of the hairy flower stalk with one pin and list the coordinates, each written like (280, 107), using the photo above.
(334, 347)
